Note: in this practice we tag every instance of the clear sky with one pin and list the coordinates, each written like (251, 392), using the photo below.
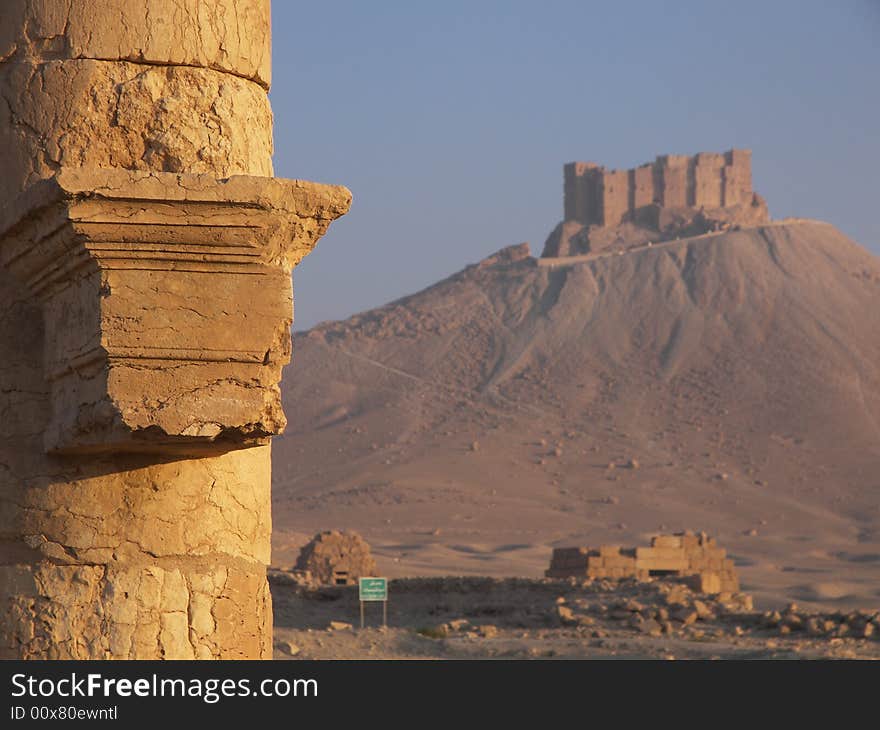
(450, 121)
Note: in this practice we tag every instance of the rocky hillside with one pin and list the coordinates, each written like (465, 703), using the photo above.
(727, 383)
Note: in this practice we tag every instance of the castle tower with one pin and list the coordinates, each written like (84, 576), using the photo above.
(597, 196)
(145, 312)
(674, 196)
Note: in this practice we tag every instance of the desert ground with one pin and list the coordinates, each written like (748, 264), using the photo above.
(487, 618)
(727, 383)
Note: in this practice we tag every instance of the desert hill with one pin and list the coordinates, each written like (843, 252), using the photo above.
(728, 383)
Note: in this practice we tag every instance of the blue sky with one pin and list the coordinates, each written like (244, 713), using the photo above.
(451, 121)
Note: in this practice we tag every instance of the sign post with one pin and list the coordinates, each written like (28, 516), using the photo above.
(374, 589)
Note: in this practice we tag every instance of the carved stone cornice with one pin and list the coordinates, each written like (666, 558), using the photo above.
(167, 302)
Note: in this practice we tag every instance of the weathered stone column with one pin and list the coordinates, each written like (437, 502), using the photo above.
(145, 312)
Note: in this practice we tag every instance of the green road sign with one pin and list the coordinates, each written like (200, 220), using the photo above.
(373, 589)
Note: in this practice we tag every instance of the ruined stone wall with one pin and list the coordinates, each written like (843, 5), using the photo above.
(596, 196)
(695, 557)
(336, 558)
(117, 554)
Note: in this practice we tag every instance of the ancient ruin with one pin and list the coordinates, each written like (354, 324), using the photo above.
(675, 195)
(335, 558)
(684, 554)
(145, 261)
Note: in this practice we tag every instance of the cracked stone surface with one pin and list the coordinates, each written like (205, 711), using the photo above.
(145, 298)
(167, 302)
(233, 37)
(80, 537)
(125, 611)
(102, 114)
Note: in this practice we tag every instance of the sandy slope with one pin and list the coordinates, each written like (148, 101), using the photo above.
(473, 426)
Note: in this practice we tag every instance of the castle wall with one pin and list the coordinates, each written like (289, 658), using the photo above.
(674, 181)
(737, 176)
(596, 196)
(641, 181)
(614, 193)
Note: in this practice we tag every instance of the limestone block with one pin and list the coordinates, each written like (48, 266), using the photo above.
(671, 553)
(126, 510)
(148, 620)
(705, 582)
(665, 564)
(666, 541)
(166, 301)
(85, 113)
(233, 37)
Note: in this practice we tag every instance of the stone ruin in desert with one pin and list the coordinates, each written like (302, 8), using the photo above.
(697, 558)
(335, 558)
(145, 310)
(674, 196)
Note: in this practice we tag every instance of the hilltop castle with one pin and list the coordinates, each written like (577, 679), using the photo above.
(674, 195)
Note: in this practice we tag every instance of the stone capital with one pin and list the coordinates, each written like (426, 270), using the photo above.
(166, 302)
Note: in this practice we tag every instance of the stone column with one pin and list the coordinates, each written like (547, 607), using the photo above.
(145, 312)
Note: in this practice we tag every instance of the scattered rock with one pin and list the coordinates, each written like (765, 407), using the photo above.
(815, 627)
(287, 647)
(650, 627)
(686, 616)
(677, 596)
(441, 631)
(565, 615)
